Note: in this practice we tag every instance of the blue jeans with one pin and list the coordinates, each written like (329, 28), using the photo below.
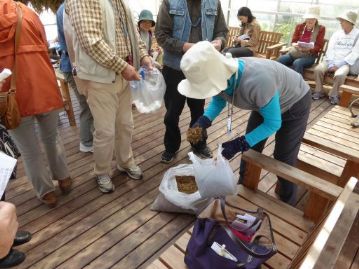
(298, 64)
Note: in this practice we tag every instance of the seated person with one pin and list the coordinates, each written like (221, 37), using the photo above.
(307, 41)
(246, 44)
(340, 55)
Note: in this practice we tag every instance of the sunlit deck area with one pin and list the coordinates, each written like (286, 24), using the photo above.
(118, 230)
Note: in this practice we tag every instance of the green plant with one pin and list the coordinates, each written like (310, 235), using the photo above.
(286, 28)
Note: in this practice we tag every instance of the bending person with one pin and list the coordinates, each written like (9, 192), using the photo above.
(278, 97)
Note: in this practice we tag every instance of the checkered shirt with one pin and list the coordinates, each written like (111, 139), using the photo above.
(86, 17)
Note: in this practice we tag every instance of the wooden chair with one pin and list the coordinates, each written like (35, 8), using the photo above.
(65, 92)
(232, 33)
(287, 222)
(269, 42)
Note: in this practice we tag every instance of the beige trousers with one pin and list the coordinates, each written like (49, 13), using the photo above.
(339, 78)
(111, 108)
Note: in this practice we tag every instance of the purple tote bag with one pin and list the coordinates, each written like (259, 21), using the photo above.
(206, 231)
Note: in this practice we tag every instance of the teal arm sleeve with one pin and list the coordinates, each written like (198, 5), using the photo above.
(215, 107)
(217, 103)
(272, 121)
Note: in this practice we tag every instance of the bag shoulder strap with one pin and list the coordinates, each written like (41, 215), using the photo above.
(239, 242)
(17, 39)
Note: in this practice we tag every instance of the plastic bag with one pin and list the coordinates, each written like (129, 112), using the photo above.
(214, 176)
(147, 93)
(168, 187)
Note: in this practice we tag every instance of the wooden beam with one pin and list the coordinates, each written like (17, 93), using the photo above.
(292, 174)
(334, 231)
(327, 145)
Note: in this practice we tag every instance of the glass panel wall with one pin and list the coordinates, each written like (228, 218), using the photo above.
(272, 15)
(282, 15)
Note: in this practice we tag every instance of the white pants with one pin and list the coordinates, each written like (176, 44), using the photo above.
(339, 78)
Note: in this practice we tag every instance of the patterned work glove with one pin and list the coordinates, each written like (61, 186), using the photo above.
(202, 122)
(198, 132)
(234, 146)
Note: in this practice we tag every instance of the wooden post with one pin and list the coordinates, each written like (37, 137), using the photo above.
(315, 207)
(345, 99)
(67, 101)
(251, 176)
(351, 169)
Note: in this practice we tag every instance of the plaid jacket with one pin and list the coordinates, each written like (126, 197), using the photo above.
(86, 17)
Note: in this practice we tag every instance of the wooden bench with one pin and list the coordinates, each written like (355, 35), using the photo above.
(269, 42)
(66, 97)
(348, 89)
(335, 244)
(292, 229)
(334, 137)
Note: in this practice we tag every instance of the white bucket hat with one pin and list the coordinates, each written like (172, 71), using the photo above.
(312, 12)
(206, 71)
(349, 16)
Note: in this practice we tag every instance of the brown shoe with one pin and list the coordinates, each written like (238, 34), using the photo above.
(49, 199)
(65, 185)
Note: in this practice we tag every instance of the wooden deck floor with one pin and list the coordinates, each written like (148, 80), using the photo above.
(118, 230)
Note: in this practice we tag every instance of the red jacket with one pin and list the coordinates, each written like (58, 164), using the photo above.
(37, 89)
(319, 42)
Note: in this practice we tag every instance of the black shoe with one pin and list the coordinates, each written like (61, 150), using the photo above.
(205, 152)
(14, 258)
(167, 157)
(22, 237)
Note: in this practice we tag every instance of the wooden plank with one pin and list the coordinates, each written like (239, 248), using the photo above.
(324, 144)
(293, 174)
(157, 264)
(316, 258)
(344, 138)
(128, 244)
(321, 168)
(291, 216)
(350, 251)
(174, 258)
(144, 251)
(320, 154)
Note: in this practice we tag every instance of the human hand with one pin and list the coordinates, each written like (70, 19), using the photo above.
(187, 46)
(217, 43)
(333, 68)
(198, 131)
(130, 73)
(147, 62)
(234, 146)
(8, 227)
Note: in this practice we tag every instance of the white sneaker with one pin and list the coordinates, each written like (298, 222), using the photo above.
(105, 184)
(317, 95)
(134, 172)
(355, 123)
(86, 149)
